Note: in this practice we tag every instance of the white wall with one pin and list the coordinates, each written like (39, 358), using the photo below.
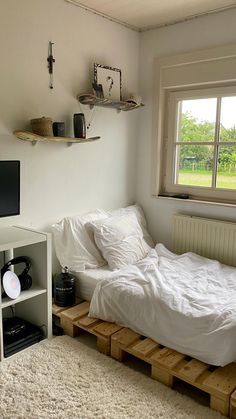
(204, 32)
(58, 180)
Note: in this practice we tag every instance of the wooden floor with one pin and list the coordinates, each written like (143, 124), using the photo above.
(166, 364)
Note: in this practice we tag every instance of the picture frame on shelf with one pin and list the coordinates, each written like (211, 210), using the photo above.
(110, 80)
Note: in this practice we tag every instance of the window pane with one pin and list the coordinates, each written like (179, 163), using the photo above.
(197, 120)
(226, 173)
(228, 119)
(194, 165)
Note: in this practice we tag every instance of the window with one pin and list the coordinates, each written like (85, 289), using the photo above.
(200, 144)
(194, 126)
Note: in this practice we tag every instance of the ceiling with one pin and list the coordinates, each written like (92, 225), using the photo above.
(142, 15)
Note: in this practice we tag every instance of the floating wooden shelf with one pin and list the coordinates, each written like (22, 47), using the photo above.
(34, 138)
(92, 100)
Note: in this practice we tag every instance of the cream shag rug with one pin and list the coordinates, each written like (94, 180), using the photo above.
(63, 378)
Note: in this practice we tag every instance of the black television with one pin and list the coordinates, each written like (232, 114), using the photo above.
(9, 188)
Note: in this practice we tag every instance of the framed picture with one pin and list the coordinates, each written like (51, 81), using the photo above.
(110, 80)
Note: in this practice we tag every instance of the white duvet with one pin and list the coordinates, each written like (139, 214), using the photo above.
(185, 302)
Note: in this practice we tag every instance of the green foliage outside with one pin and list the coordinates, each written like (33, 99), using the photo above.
(195, 161)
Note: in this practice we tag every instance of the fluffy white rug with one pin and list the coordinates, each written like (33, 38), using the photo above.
(63, 378)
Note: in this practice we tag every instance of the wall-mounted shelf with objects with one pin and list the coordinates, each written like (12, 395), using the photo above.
(120, 105)
(34, 138)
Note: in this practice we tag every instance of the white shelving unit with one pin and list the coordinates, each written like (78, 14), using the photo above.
(35, 304)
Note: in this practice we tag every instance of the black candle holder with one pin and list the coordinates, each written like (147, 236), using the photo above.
(58, 129)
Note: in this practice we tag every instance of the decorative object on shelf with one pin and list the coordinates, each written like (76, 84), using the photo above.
(79, 125)
(42, 126)
(13, 284)
(98, 90)
(58, 129)
(89, 116)
(135, 99)
(50, 61)
(64, 289)
(34, 138)
(10, 285)
(92, 100)
(110, 79)
(89, 120)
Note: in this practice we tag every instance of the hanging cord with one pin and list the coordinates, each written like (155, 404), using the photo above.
(13, 310)
(88, 120)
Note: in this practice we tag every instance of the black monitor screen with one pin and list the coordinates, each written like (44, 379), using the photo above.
(9, 188)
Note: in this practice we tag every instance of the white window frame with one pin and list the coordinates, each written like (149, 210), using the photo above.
(196, 192)
(192, 71)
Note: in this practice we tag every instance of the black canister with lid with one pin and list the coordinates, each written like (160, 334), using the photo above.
(64, 289)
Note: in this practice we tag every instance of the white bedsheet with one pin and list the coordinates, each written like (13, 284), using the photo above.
(185, 302)
(87, 280)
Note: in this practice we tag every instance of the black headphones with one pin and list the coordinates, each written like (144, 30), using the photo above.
(24, 278)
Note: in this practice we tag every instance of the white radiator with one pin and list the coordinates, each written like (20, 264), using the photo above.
(213, 239)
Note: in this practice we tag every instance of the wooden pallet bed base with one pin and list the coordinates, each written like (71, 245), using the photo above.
(233, 405)
(75, 320)
(166, 364)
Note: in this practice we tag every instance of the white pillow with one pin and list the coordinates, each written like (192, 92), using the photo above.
(120, 239)
(74, 245)
(138, 211)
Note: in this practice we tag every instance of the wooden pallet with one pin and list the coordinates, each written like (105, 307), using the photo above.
(233, 406)
(166, 364)
(57, 310)
(75, 320)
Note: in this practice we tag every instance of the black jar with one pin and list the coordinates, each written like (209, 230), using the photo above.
(64, 289)
(79, 125)
(58, 129)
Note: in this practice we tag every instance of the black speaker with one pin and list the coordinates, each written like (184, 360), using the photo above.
(24, 278)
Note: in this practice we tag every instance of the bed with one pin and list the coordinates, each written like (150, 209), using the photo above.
(186, 302)
(87, 281)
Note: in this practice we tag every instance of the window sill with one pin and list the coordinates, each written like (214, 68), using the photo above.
(195, 201)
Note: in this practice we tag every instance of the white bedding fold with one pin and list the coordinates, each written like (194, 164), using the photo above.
(186, 302)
